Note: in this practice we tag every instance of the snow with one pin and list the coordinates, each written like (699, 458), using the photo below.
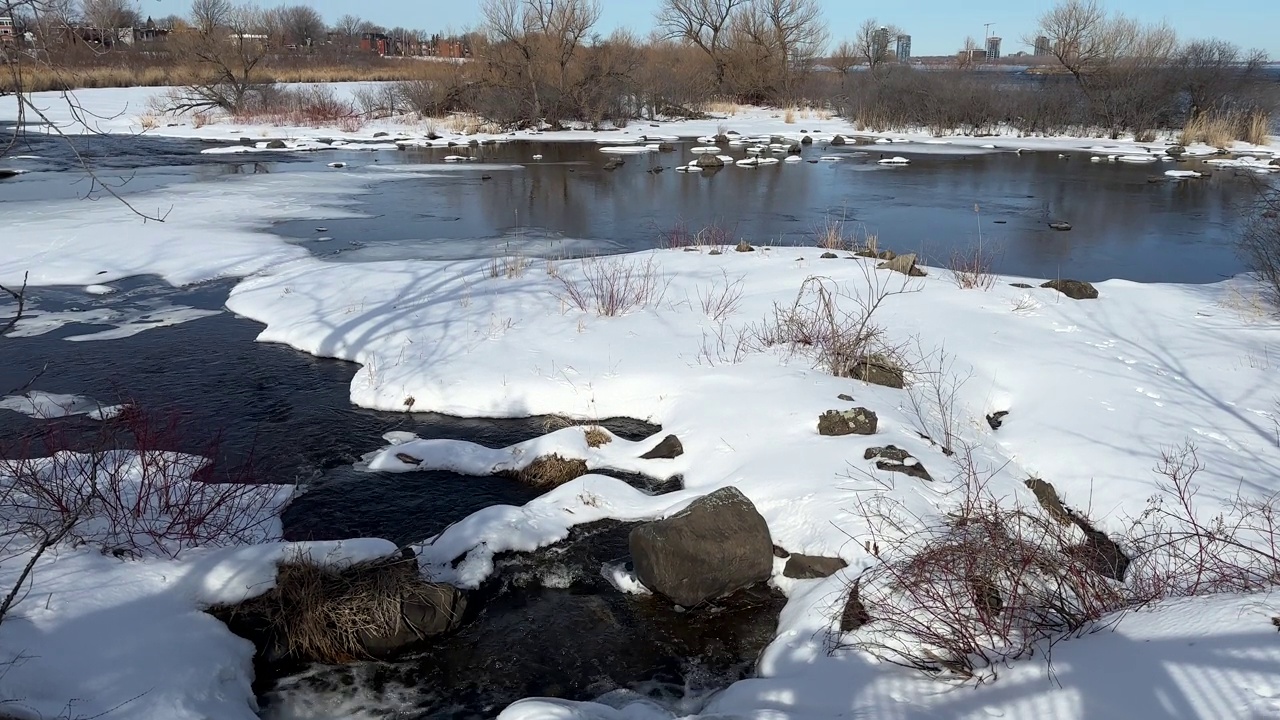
(129, 110)
(1182, 174)
(1095, 390)
(46, 406)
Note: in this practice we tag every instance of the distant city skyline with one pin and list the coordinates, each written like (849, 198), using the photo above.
(937, 27)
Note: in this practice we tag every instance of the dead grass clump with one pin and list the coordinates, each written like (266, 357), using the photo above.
(327, 614)
(509, 266)
(597, 436)
(551, 471)
(972, 268)
(831, 235)
(1220, 129)
(789, 117)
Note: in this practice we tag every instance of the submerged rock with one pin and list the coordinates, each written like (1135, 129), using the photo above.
(1060, 226)
(1074, 289)
(717, 545)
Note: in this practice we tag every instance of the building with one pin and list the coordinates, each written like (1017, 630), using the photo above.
(903, 50)
(1042, 47)
(880, 43)
(6, 29)
(993, 48)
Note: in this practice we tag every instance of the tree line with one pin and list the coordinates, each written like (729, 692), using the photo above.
(535, 62)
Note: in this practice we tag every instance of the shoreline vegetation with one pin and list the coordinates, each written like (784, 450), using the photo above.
(540, 65)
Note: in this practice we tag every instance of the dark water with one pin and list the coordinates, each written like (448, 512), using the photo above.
(548, 623)
(567, 204)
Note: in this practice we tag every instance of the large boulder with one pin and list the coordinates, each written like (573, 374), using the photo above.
(717, 545)
(858, 421)
(1074, 289)
(669, 448)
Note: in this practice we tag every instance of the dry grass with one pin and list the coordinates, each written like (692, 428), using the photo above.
(614, 286)
(510, 266)
(40, 78)
(320, 612)
(597, 436)
(789, 117)
(551, 471)
(721, 107)
(831, 235)
(1222, 129)
(972, 268)
(466, 124)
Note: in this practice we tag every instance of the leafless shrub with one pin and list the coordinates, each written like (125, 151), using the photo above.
(597, 436)
(1259, 244)
(993, 582)
(19, 297)
(714, 235)
(972, 268)
(933, 393)
(831, 235)
(721, 299)
(830, 323)
(128, 492)
(1182, 553)
(613, 286)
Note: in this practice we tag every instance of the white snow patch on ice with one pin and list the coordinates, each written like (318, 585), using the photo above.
(47, 406)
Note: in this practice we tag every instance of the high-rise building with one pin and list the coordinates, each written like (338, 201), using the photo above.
(993, 48)
(903, 49)
(1042, 46)
(880, 43)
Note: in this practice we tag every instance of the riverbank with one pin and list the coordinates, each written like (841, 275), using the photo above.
(1015, 382)
(133, 111)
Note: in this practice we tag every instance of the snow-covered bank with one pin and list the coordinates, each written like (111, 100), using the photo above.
(131, 111)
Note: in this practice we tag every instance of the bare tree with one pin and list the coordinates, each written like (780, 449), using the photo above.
(302, 25)
(348, 28)
(843, 59)
(799, 36)
(228, 56)
(1214, 71)
(704, 23)
(109, 14)
(209, 15)
(873, 42)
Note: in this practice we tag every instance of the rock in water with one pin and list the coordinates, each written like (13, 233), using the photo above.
(858, 421)
(717, 545)
(709, 160)
(1074, 289)
(1060, 226)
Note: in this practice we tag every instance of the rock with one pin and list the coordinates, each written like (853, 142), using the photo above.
(828, 256)
(722, 139)
(895, 459)
(408, 459)
(1024, 286)
(666, 147)
(709, 160)
(550, 471)
(669, 448)
(381, 134)
(996, 419)
(1074, 289)
(715, 251)
(744, 246)
(855, 614)
(276, 144)
(1048, 498)
(794, 149)
(806, 140)
(808, 567)
(473, 142)
(656, 169)
(433, 611)
(6, 173)
(1176, 151)
(846, 398)
(614, 163)
(858, 421)
(1060, 226)
(1100, 554)
(717, 545)
(875, 255)
(877, 370)
(905, 264)
(247, 141)
(838, 140)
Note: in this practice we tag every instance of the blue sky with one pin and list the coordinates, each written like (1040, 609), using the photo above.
(937, 26)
